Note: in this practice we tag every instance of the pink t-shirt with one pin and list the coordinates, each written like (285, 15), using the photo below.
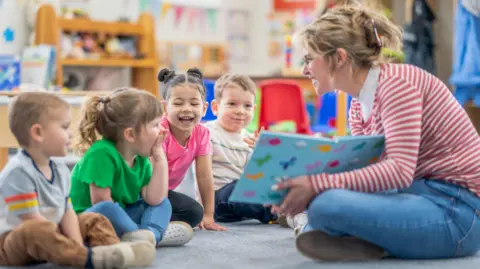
(180, 158)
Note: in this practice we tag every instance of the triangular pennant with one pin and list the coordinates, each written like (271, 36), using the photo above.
(178, 14)
(212, 18)
(192, 15)
(165, 9)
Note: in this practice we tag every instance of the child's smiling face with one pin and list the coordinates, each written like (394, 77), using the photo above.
(185, 107)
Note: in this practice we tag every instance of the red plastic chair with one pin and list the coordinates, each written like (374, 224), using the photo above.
(282, 99)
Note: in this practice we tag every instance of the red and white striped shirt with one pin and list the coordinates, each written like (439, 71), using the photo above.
(427, 135)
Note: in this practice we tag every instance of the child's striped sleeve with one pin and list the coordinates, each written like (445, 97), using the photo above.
(19, 194)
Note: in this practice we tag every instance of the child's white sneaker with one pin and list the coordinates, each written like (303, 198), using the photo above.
(140, 235)
(178, 233)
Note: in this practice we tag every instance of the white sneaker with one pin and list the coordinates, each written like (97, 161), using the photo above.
(297, 222)
(178, 233)
(140, 235)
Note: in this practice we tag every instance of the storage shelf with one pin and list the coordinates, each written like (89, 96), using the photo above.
(108, 62)
(86, 25)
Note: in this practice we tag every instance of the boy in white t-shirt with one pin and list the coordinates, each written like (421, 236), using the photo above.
(234, 106)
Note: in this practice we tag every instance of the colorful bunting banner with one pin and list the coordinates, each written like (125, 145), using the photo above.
(179, 10)
(212, 18)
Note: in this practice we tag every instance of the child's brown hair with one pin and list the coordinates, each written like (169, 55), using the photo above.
(110, 115)
(360, 31)
(29, 108)
(227, 80)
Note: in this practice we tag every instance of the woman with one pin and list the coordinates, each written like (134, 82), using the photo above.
(421, 201)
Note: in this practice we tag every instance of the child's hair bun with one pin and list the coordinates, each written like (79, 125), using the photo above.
(165, 75)
(195, 72)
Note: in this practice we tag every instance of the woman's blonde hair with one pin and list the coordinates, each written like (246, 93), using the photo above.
(109, 116)
(360, 31)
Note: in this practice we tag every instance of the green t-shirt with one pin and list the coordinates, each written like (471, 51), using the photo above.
(103, 165)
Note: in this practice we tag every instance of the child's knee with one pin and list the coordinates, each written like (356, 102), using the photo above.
(328, 205)
(104, 206)
(196, 214)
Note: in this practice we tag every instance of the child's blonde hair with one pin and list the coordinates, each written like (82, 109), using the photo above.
(357, 29)
(30, 108)
(227, 80)
(110, 115)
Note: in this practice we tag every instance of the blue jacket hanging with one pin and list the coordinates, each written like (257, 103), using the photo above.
(466, 67)
(418, 38)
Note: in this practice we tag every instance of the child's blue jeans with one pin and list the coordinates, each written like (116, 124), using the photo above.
(430, 219)
(136, 216)
(226, 211)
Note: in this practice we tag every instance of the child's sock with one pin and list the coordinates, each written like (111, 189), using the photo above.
(178, 233)
(140, 235)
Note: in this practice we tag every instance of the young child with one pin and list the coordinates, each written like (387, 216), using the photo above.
(234, 106)
(115, 176)
(421, 200)
(40, 223)
(188, 141)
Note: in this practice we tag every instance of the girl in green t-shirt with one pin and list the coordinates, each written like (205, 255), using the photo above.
(116, 178)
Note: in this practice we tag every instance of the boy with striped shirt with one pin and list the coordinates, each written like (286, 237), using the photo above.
(37, 220)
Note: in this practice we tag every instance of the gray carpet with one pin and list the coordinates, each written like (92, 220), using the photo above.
(250, 245)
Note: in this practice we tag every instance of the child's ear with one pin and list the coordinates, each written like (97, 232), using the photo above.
(36, 132)
(214, 107)
(129, 135)
(205, 107)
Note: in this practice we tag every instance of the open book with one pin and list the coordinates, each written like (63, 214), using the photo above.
(279, 156)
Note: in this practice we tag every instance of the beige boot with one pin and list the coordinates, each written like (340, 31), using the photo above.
(123, 255)
(140, 235)
(112, 257)
(144, 252)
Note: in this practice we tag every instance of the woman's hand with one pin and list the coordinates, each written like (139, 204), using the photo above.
(208, 223)
(251, 141)
(157, 149)
(300, 194)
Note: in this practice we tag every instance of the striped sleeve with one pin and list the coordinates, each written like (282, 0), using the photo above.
(400, 106)
(19, 193)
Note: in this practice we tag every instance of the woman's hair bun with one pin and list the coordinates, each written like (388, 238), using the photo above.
(165, 75)
(195, 72)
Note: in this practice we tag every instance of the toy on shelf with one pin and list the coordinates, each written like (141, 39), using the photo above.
(9, 72)
(86, 40)
(288, 51)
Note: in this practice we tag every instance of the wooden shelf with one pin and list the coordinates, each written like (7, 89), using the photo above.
(86, 25)
(109, 62)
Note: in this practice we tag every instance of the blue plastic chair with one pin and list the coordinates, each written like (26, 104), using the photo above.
(210, 96)
(327, 111)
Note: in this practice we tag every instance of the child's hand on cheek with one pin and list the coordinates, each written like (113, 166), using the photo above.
(157, 149)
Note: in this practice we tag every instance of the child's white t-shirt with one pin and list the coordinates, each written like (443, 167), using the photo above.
(230, 154)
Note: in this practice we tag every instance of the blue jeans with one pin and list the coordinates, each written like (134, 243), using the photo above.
(136, 216)
(430, 219)
(226, 211)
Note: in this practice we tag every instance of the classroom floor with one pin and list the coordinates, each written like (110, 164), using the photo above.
(251, 245)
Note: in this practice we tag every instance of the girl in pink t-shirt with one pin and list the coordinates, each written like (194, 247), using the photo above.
(188, 140)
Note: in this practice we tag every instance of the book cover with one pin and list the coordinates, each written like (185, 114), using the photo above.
(279, 156)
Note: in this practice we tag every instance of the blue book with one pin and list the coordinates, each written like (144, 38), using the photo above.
(280, 156)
